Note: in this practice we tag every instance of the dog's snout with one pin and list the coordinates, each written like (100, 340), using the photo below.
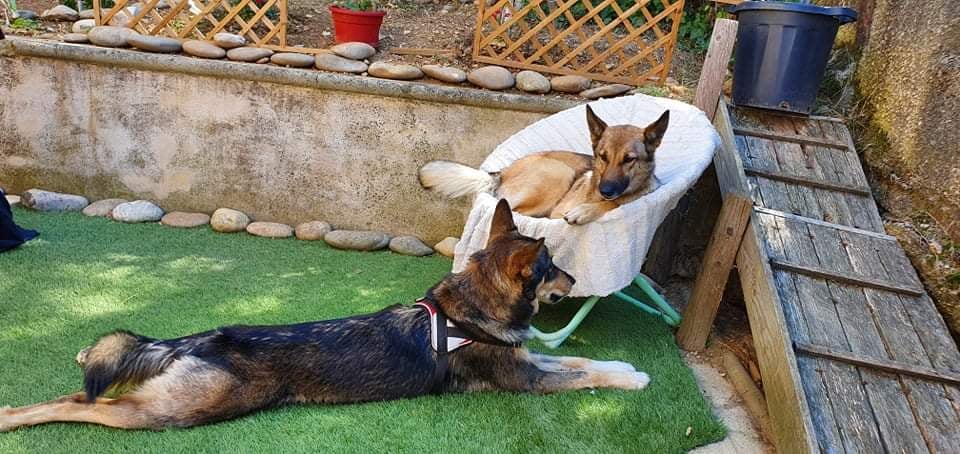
(554, 297)
(611, 190)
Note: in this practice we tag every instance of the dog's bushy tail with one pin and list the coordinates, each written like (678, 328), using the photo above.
(455, 180)
(122, 358)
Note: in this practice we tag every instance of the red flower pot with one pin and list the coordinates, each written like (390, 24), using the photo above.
(350, 25)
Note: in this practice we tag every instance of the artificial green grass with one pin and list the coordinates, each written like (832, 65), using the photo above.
(83, 277)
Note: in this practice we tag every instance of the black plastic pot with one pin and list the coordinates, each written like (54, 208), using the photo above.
(782, 51)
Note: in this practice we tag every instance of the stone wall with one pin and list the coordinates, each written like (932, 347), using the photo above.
(283, 145)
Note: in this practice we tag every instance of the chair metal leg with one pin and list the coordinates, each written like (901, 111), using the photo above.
(554, 339)
(656, 299)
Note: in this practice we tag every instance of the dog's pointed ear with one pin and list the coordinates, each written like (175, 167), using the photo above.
(596, 125)
(502, 221)
(653, 133)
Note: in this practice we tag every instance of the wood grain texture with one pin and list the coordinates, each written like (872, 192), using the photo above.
(718, 260)
(715, 66)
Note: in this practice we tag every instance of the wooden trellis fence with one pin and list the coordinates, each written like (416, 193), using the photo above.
(626, 41)
(262, 22)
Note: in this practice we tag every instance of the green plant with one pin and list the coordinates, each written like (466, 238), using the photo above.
(697, 26)
(654, 90)
(87, 4)
(359, 5)
(24, 24)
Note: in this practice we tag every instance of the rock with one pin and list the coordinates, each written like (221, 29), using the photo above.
(28, 15)
(357, 240)
(491, 77)
(270, 230)
(447, 246)
(137, 211)
(570, 84)
(605, 91)
(83, 25)
(61, 13)
(533, 82)
(228, 221)
(185, 220)
(77, 38)
(154, 43)
(13, 200)
(202, 49)
(41, 200)
(228, 40)
(103, 207)
(445, 73)
(410, 245)
(109, 36)
(397, 71)
(122, 18)
(354, 50)
(332, 62)
(263, 61)
(292, 59)
(85, 14)
(313, 230)
(248, 54)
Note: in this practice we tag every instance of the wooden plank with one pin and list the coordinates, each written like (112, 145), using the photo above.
(727, 161)
(715, 64)
(834, 206)
(792, 160)
(712, 279)
(862, 281)
(880, 364)
(781, 214)
(755, 402)
(786, 400)
(808, 182)
(794, 138)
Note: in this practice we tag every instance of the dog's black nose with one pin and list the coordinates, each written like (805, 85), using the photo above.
(554, 298)
(609, 190)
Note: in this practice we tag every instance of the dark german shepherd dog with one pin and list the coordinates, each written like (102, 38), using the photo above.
(392, 354)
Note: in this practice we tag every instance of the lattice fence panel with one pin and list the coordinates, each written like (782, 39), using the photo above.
(626, 41)
(262, 22)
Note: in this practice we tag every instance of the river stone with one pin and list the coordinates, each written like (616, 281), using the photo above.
(606, 91)
(248, 54)
(109, 36)
(263, 61)
(185, 220)
(76, 38)
(41, 200)
(137, 211)
(357, 240)
(85, 14)
(154, 43)
(398, 71)
(228, 40)
(103, 207)
(313, 230)
(533, 82)
(354, 50)
(13, 200)
(62, 13)
(445, 73)
(491, 77)
(292, 59)
(269, 230)
(333, 62)
(228, 221)
(447, 246)
(202, 49)
(410, 245)
(29, 15)
(83, 25)
(570, 84)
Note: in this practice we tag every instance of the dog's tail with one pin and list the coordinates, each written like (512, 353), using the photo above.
(122, 359)
(455, 180)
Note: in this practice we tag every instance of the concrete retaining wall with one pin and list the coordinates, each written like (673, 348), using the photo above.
(281, 144)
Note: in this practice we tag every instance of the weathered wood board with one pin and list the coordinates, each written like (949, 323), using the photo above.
(853, 354)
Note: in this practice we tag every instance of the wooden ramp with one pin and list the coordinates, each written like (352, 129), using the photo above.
(853, 354)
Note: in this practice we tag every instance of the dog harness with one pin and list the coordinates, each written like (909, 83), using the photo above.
(446, 337)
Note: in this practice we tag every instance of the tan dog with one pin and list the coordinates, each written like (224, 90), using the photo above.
(556, 184)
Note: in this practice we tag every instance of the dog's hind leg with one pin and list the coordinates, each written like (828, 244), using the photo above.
(125, 413)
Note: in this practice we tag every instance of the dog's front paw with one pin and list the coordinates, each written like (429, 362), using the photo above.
(613, 366)
(582, 214)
